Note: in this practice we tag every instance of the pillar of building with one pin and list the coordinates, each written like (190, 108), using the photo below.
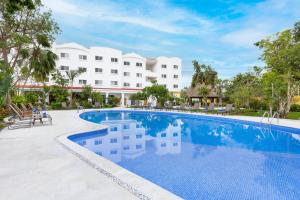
(122, 99)
(106, 97)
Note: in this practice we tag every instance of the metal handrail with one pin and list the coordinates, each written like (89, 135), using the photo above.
(277, 117)
(268, 115)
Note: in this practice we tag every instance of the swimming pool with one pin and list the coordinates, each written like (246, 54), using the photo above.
(200, 157)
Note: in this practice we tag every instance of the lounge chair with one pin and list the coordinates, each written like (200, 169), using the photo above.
(211, 107)
(228, 108)
(19, 121)
(23, 113)
(24, 108)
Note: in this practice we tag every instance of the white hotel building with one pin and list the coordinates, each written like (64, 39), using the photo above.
(111, 72)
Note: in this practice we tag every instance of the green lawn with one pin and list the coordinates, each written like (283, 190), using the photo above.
(294, 115)
(291, 115)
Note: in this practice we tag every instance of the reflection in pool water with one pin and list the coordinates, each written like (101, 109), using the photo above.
(198, 157)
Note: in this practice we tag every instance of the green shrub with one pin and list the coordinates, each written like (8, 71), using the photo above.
(32, 97)
(295, 108)
(256, 104)
(87, 104)
(60, 94)
(97, 97)
(113, 101)
(56, 105)
(18, 99)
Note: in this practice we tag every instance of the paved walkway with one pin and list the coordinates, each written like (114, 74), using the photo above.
(33, 165)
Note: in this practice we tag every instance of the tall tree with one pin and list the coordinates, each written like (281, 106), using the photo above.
(281, 54)
(203, 75)
(26, 34)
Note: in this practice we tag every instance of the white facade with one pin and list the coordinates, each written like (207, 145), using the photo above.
(111, 72)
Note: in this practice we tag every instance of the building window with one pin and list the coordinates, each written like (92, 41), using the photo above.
(175, 144)
(164, 75)
(99, 153)
(139, 75)
(126, 137)
(138, 126)
(83, 69)
(126, 148)
(164, 85)
(163, 135)
(138, 85)
(175, 134)
(126, 84)
(97, 142)
(175, 86)
(98, 82)
(64, 55)
(114, 59)
(82, 57)
(113, 129)
(163, 145)
(175, 76)
(175, 66)
(138, 136)
(164, 66)
(138, 146)
(126, 126)
(98, 58)
(113, 152)
(126, 63)
(139, 64)
(82, 82)
(114, 71)
(126, 74)
(98, 70)
(113, 140)
(114, 83)
(66, 68)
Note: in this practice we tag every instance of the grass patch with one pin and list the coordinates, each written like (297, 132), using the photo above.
(293, 115)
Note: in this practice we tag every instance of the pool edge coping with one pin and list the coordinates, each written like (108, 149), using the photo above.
(133, 183)
(118, 174)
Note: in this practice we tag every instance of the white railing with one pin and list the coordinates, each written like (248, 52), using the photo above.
(264, 116)
(276, 114)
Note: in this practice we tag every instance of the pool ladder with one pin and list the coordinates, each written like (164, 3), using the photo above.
(267, 115)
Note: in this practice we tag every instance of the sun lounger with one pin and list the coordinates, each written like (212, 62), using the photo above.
(211, 107)
(23, 113)
(227, 109)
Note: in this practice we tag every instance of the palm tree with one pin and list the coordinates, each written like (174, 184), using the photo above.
(72, 74)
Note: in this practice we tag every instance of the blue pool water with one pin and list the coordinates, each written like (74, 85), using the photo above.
(199, 157)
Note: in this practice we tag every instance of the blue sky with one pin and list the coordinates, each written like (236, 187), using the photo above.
(216, 32)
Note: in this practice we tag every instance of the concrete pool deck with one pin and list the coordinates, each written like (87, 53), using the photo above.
(39, 163)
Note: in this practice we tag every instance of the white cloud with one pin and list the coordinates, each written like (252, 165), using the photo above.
(264, 19)
(244, 37)
(156, 16)
(64, 7)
